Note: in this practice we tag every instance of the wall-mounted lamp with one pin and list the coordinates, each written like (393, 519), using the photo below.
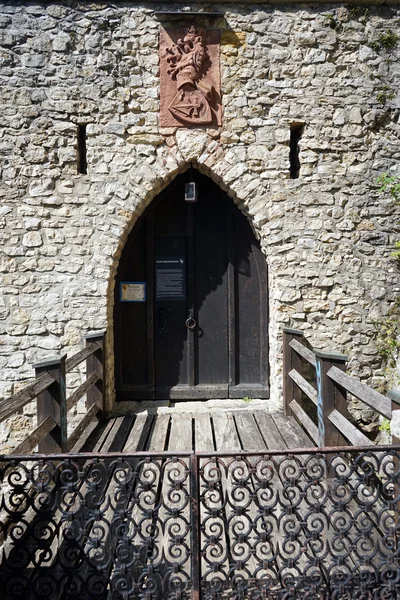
(191, 192)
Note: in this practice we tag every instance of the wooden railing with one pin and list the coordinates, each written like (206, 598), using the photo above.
(49, 389)
(327, 421)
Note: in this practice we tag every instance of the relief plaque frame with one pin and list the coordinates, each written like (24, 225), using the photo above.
(190, 81)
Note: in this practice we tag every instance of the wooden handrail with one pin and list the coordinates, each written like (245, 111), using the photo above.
(53, 406)
(81, 391)
(305, 420)
(304, 352)
(79, 429)
(303, 384)
(370, 397)
(350, 432)
(333, 383)
(80, 356)
(291, 361)
(32, 440)
(17, 401)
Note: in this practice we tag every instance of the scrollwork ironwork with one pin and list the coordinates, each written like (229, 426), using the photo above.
(313, 526)
(289, 527)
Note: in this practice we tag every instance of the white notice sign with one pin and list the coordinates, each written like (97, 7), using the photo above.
(133, 291)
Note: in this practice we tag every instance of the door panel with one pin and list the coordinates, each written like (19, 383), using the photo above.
(202, 261)
(247, 310)
(133, 373)
(250, 314)
(211, 354)
(171, 309)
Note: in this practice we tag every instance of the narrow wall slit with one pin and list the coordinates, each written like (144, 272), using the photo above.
(296, 131)
(82, 153)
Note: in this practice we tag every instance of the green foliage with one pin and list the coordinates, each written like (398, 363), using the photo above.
(360, 13)
(385, 94)
(331, 21)
(247, 399)
(390, 184)
(396, 253)
(386, 41)
(385, 425)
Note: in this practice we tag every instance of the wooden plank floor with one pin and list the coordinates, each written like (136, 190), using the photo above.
(234, 430)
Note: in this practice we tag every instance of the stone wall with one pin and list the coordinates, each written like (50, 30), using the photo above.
(327, 236)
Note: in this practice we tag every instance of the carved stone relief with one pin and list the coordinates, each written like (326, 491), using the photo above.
(189, 77)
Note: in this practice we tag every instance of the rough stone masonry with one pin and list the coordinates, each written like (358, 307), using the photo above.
(326, 235)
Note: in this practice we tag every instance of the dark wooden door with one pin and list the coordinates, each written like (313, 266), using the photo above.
(202, 330)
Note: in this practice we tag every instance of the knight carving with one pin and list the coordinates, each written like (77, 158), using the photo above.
(187, 64)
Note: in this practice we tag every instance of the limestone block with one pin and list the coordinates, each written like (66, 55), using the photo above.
(305, 39)
(32, 239)
(191, 143)
(61, 42)
(16, 360)
(43, 187)
(355, 115)
(116, 128)
(33, 60)
(32, 224)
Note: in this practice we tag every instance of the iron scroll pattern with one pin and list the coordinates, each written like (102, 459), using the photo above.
(108, 528)
(301, 527)
(276, 526)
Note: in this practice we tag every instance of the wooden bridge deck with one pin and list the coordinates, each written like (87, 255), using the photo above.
(165, 526)
(226, 431)
(207, 500)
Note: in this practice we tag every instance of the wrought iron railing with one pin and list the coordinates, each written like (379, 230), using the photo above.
(312, 524)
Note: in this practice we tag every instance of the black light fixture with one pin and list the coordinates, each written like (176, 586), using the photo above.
(191, 190)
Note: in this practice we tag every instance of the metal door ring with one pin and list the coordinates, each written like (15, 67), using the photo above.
(190, 323)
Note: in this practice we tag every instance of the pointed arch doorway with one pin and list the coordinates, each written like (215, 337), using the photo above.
(191, 301)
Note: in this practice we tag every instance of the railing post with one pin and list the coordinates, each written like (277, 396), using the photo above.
(195, 519)
(330, 396)
(95, 364)
(394, 395)
(291, 360)
(53, 403)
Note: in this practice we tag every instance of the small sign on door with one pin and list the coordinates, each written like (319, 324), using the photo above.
(132, 291)
(170, 278)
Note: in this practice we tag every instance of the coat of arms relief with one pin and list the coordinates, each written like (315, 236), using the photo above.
(190, 78)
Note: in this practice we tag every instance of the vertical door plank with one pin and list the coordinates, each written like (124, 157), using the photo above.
(150, 299)
(231, 299)
(192, 309)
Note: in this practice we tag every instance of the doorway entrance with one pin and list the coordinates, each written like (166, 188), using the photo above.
(191, 301)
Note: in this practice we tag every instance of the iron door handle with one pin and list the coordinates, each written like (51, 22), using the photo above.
(190, 322)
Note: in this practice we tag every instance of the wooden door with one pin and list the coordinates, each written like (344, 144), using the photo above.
(202, 330)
